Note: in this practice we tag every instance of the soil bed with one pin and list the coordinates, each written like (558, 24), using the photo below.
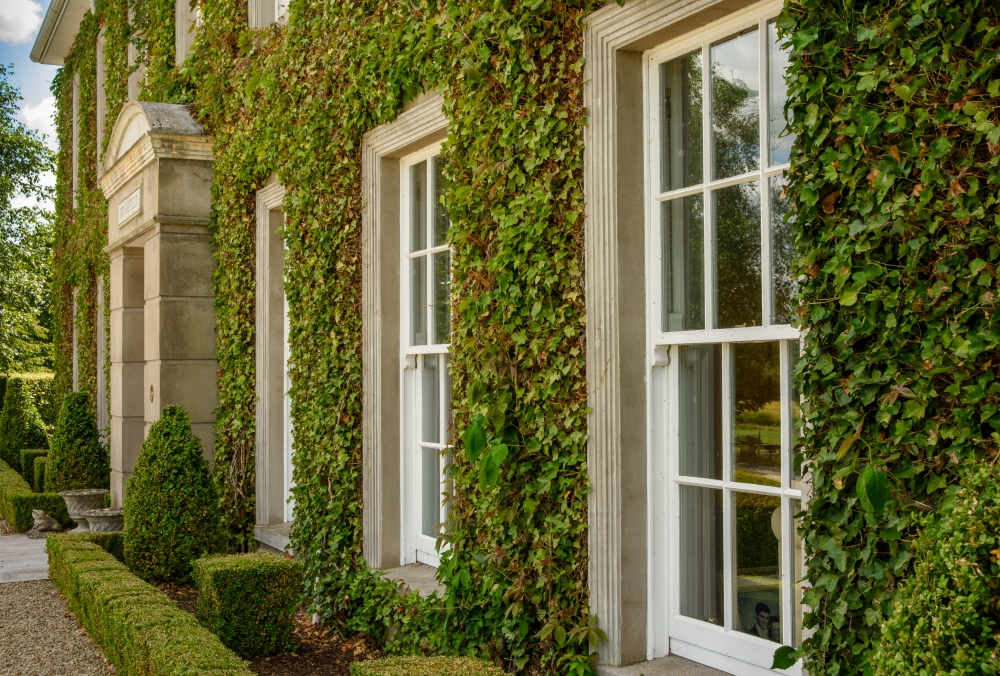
(320, 651)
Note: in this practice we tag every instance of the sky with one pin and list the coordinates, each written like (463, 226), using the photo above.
(19, 23)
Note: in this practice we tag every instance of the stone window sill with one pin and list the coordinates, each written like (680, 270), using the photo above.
(274, 537)
(418, 577)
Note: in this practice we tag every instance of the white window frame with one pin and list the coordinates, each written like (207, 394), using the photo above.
(669, 631)
(415, 547)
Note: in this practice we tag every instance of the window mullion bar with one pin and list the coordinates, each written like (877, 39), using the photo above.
(765, 192)
(708, 227)
(785, 569)
(728, 521)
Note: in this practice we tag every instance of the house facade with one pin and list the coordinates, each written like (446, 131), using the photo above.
(500, 300)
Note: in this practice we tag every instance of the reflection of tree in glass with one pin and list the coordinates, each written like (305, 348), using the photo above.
(757, 372)
(782, 253)
(736, 127)
(682, 78)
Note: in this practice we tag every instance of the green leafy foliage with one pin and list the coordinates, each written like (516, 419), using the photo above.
(892, 184)
(249, 601)
(77, 458)
(20, 425)
(946, 615)
(138, 628)
(171, 517)
(38, 476)
(25, 240)
(28, 457)
(424, 666)
(17, 500)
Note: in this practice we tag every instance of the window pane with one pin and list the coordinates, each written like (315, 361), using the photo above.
(430, 492)
(681, 126)
(756, 432)
(783, 285)
(702, 585)
(441, 221)
(701, 411)
(757, 550)
(798, 574)
(442, 297)
(418, 301)
(683, 274)
(780, 145)
(736, 105)
(430, 400)
(737, 251)
(796, 417)
(418, 206)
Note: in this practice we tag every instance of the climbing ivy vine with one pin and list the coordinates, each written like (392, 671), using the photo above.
(894, 189)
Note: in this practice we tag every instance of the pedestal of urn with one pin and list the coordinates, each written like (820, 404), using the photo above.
(80, 501)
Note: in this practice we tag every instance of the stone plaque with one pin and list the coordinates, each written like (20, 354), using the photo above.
(129, 206)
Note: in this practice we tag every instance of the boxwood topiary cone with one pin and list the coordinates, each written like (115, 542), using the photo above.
(171, 514)
(20, 425)
(77, 458)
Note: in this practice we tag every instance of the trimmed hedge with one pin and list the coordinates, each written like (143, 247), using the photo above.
(946, 617)
(20, 424)
(425, 666)
(38, 477)
(77, 459)
(138, 628)
(28, 456)
(17, 500)
(249, 600)
(171, 514)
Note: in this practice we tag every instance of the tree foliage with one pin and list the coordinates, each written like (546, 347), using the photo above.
(25, 240)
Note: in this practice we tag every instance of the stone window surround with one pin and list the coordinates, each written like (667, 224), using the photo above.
(271, 527)
(186, 18)
(262, 13)
(621, 511)
(422, 123)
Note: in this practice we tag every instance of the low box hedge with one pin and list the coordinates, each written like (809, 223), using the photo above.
(28, 456)
(39, 473)
(425, 666)
(249, 600)
(17, 500)
(138, 628)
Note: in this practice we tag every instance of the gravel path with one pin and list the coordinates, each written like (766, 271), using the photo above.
(40, 637)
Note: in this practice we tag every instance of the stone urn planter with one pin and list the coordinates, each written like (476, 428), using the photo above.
(108, 520)
(80, 501)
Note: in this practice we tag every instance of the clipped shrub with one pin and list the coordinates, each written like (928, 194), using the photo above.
(3, 389)
(28, 456)
(77, 458)
(249, 600)
(171, 515)
(425, 666)
(17, 500)
(20, 425)
(946, 614)
(138, 628)
(38, 481)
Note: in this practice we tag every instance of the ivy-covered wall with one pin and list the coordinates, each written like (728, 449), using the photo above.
(895, 189)
(893, 184)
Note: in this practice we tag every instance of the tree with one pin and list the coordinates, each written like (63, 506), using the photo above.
(25, 240)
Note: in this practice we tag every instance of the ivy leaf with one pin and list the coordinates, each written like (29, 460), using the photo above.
(499, 453)
(873, 491)
(475, 441)
(560, 634)
(477, 390)
(785, 657)
(251, 85)
(497, 418)
(489, 473)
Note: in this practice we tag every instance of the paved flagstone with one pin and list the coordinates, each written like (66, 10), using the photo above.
(22, 560)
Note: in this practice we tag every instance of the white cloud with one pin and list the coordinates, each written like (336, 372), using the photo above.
(19, 19)
(41, 118)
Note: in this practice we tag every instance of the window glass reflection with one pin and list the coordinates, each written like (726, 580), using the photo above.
(736, 105)
(442, 297)
(681, 121)
(701, 569)
(783, 284)
(779, 143)
(418, 206)
(757, 575)
(737, 251)
(756, 431)
(418, 301)
(700, 443)
(683, 275)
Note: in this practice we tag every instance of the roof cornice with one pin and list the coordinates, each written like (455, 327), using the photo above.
(59, 28)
